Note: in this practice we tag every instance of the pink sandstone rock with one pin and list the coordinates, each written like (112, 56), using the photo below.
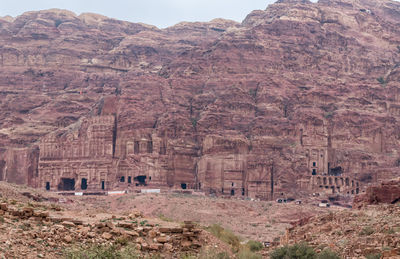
(299, 98)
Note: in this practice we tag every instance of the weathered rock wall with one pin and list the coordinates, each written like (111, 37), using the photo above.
(387, 192)
(20, 166)
(296, 91)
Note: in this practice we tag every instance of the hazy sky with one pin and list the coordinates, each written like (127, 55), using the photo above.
(161, 13)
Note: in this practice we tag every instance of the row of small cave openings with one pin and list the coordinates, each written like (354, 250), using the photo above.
(338, 190)
(338, 181)
(139, 180)
(68, 184)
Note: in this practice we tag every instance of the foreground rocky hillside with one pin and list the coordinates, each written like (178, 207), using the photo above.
(38, 225)
(301, 97)
(372, 232)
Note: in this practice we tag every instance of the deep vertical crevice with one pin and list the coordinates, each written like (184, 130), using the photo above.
(272, 182)
(114, 140)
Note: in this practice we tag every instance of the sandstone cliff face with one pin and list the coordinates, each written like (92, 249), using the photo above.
(262, 108)
(386, 192)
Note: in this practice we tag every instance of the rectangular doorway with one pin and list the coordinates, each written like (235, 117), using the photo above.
(67, 184)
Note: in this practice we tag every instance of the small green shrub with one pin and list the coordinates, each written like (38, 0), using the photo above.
(101, 252)
(153, 256)
(247, 254)
(187, 256)
(373, 256)
(25, 226)
(212, 254)
(226, 236)
(327, 254)
(194, 122)
(164, 218)
(254, 246)
(366, 231)
(123, 241)
(390, 231)
(381, 80)
(296, 251)
(222, 255)
(328, 115)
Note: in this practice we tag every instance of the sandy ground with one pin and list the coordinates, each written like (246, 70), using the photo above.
(251, 220)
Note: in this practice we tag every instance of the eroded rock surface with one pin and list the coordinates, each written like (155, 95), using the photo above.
(302, 97)
(356, 233)
(386, 192)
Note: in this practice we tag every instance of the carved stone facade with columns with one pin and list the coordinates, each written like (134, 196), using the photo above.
(94, 154)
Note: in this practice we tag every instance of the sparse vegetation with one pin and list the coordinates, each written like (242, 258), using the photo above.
(242, 251)
(164, 218)
(398, 48)
(101, 252)
(194, 122)
(187, 256)
(212, 254)
(328, 115)
(25, 226)
(123, 241)
(254, 246)
(302, 251)
(327, 254)
(226, 236)
(373, 256)
(296, 251)
(366, 231)
(247, 254)
(390, 231)
(381, 80)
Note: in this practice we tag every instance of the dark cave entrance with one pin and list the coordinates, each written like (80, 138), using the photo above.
(47, 186)
(336, 171)
(141, 180)
(102, 185)
(67, 184)
(84, 184)
(395, 201)
(232, 192)
(183, 186)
